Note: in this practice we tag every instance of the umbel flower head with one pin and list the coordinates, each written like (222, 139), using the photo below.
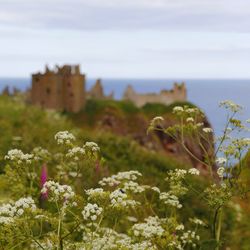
(64, 137)
(8, 212)
(18, 156)
(57, 192)
(91, 211)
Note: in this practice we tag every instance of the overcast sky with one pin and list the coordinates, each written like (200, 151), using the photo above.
(127, 38)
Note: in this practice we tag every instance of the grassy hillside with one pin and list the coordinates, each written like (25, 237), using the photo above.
(26, 127)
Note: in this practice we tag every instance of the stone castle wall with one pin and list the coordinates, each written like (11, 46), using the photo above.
(178, 93)
(62, 89)
(97, 92)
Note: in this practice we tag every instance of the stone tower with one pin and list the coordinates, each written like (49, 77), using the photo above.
(62, 89)
(177, 93)
(97, 92)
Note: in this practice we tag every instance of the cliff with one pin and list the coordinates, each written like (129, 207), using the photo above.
(125, 119)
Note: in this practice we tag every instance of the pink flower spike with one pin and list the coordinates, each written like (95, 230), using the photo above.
(43, 179)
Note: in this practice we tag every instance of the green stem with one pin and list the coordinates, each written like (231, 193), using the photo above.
(218, 227)
(59, 229)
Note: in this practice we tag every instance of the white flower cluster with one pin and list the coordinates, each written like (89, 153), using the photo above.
(40, 153)
(179, 174)
(190, 237)
(151, 228)
(156, 189)
(178, 109)
(95, 193)
(119, 198)
(64, 137)
(175, 245)
(230, 105)
(191, 110)
(221, 160)
(58, 192)
(75, 152)
(92, 147)
(170, 199)
(91, 211)
(156, 121)
(8, 211)
(193, 171)
(144, 245)
(180, 227)
(133, 187)
(186, 109)
(107, 239)
(115, 180)
(197, 221)
(18, 156)
(220, 172)
(199, 124)
(207, 130)
(190, 119)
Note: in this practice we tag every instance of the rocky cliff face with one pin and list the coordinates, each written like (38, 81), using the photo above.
(133, 123)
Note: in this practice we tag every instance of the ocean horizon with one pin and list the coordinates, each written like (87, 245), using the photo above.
(205, 93)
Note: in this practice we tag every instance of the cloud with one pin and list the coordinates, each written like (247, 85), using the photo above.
(194, 15)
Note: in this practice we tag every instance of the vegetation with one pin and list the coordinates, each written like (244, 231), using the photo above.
(72, 193)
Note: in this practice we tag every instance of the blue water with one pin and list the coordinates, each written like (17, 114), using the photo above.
(205, 93)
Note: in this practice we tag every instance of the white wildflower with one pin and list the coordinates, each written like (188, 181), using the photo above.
(151, 228)
(199, 124)
(221, 160)
(119, 198)
(133, 186)
(193, 171)
(8, 212)
(91, 211)
(170, 199)
(91, 146)
(131, 218)
(179, 227)
(190, 119)
(191, 110)
(95, 193)
(207, 130)
(40, 153)
(189, 237)
(57, 192)
(221, 172)
(158, 119)
(115, 180)
(18, 156)
(64, 137)
(231, 106)
(197, 221)
(156, 189)
(75, 152)
(178, 109)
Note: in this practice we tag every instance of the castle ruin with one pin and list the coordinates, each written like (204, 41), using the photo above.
(62, 89)
(97, 92)
(178, 93)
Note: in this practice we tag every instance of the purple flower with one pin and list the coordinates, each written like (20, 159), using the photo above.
(43, 179)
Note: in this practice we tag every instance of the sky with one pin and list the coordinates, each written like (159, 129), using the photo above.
(127, 38)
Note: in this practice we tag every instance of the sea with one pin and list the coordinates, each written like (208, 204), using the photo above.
(205, 93)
